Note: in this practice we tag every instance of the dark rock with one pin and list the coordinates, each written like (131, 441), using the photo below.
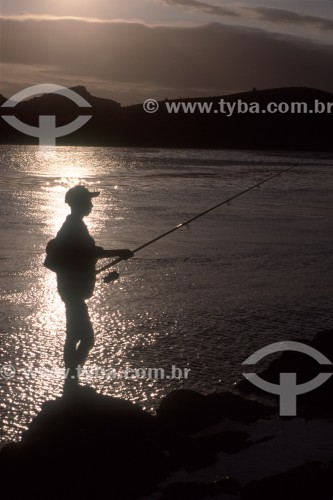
(184, 410)
(228, 485)
(234, 407)
(89, 442)
(189, 411)
(229, 442)
(83, 446)
(199, 490)
(308, 482)
(182, 491)
(193, 454)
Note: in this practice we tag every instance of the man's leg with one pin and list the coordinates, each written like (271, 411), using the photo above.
(78, 330)
(71, 334)
(86, 335)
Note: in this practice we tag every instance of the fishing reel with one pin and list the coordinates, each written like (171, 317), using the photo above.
(113, 276)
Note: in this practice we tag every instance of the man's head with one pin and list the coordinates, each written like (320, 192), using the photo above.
(79, 199)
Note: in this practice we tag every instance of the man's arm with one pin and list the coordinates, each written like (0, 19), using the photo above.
(123, 253)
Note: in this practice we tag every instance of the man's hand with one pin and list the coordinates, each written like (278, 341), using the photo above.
(125, 253)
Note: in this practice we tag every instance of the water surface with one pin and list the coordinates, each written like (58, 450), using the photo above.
(204, 298)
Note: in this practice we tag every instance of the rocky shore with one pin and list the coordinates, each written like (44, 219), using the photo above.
(222, 445)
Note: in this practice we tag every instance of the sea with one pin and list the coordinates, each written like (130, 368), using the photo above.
(188, 309)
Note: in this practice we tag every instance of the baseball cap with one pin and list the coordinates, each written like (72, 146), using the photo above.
(77, 194)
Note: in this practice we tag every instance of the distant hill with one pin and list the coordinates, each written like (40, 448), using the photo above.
(113, 125)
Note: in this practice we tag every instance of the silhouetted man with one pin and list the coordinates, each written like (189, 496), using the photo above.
(73, 255)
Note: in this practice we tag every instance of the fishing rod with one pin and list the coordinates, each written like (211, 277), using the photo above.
(114, 275)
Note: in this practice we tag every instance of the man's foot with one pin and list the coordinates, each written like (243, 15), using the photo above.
(70, 385)
(71, 379)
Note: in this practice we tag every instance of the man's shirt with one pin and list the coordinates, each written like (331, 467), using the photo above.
(73, 255)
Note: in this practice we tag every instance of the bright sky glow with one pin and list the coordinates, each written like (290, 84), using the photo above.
(130, 50)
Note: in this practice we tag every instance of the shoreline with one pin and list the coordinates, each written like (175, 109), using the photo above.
(219, 445)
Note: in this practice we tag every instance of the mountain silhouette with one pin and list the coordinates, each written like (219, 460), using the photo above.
(114, 125)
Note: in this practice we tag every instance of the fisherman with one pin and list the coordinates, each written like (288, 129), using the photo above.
(73, 255)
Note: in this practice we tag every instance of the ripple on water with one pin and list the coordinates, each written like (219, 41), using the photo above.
(253, 273)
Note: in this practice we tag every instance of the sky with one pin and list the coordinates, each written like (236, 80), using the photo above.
(131, 50)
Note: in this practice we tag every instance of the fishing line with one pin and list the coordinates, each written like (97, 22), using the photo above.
(114, 275)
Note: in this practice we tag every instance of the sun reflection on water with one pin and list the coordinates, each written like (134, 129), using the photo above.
(70, 172)
(123, 332)
(38, 309)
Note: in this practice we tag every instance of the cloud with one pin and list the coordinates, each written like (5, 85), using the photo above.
(204, 7)
(272, 15)
(281, 16)
(49, 17)
(132, 61)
